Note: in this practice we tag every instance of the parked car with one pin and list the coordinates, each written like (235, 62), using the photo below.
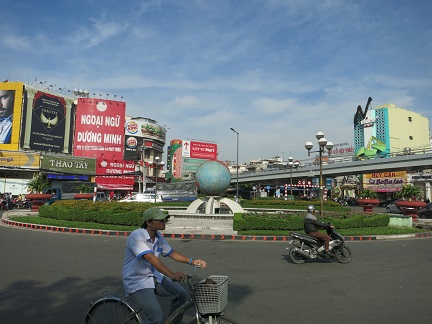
(392, 208)
(143, 197)
(384, 203)
(426, 212)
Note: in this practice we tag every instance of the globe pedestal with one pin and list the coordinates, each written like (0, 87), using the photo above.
(212, 205)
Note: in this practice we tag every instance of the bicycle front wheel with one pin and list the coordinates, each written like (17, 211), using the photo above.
(111, 311)
(215, 320)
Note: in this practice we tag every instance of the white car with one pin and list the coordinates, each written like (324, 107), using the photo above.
(144, 197)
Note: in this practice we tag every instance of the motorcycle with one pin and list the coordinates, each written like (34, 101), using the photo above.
(307, 247)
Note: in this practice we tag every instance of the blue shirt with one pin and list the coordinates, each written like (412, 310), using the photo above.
(137, 272)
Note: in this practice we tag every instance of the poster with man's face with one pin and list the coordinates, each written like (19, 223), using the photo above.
(10, 114)
(6, 110)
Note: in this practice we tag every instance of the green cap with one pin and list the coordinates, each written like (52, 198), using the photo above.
(154, 213)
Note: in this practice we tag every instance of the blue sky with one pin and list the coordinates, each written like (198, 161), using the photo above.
(277, 71)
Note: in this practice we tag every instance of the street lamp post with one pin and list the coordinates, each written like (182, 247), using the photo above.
(292, 165)
(156, 164)
(237, 187)
(142, 183)
(322, 142)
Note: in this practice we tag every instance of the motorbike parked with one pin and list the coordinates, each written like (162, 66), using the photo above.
(307, 247)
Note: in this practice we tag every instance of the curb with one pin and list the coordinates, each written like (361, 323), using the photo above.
(184, 236)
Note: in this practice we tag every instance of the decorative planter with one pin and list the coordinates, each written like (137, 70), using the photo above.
(37, 200)
(410, 207)
(368, 204)
(84, 196)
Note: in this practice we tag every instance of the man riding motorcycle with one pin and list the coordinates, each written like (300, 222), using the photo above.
(312, 225)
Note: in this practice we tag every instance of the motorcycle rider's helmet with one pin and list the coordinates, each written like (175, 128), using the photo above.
(311, 209)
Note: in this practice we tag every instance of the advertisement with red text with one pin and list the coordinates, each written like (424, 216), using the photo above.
(99, 133)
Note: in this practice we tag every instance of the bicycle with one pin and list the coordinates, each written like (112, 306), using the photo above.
(208, 298)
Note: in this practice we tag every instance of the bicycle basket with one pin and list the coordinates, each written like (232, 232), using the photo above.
(212, 297)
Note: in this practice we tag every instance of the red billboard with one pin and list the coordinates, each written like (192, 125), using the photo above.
(200, 150)
(99, 133)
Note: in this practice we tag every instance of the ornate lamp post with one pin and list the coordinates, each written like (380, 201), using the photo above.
(292, 165)
(237, 187)
(322, 142)
(142, 169)
(155, 164)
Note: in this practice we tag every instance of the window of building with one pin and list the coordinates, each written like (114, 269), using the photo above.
(411, 137)
(410, 119)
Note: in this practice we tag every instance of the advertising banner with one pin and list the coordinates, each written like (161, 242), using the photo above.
(11, 98)
(47, 122)
(19, 160)
(100, 133)
(68, 164)
(99, 128)
(385, 181)
(200, 150)
(140, 130)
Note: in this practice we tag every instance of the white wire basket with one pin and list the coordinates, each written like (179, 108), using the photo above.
(212, 297)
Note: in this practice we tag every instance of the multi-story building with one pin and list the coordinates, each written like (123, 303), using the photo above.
(74, 137)
(388, 130)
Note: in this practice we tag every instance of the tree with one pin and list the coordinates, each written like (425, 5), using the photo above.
(37, 184)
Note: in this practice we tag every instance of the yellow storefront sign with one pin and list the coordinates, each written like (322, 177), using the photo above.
(23, 160)
(385, 181)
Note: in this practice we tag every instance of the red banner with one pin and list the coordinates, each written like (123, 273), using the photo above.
(99, 133)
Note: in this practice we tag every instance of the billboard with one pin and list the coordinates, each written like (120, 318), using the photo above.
(11, 98)
(99, 133)
(47, 121)
(184, 157)
(142, 130)
(199, 150)
(23, 160)
(385, 181)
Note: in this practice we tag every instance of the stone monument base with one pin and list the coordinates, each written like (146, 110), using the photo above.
(212, 205)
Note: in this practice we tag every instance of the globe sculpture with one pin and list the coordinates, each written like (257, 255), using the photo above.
(212, 178)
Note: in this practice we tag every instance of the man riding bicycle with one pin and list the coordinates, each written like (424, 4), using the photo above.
(144, 274)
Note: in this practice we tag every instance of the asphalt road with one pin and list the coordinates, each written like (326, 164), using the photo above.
(50, 277)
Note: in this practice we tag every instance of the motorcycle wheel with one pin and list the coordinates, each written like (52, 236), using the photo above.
(294, 256)
(343, 253)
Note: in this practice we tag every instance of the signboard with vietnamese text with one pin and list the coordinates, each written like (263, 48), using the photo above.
(68, 164)
(385, 181)
(199, 150)
(99, 134)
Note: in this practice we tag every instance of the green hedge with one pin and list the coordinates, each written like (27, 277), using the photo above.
(130, 214)
(272, 202)
(100, 212)
(293, 221)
